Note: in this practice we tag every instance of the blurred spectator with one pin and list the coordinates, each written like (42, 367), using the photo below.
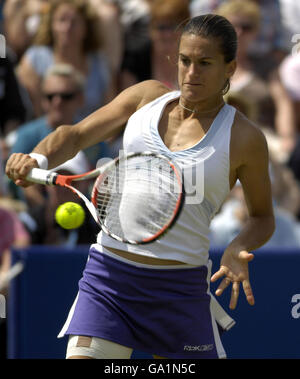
(290, 11)
(157, 58)
(134, 18)
(233, 216)
(289, 71)
(13, 234)
(290, 75)
(198, 7)
(111, 30)
(269, 97)
(1, 15)
(285, 189)
(269, 46)
(12, 108)
(68, 33)
(294, 162)
(21, 21)
(40, 221)
(62, 96)
(3, 186)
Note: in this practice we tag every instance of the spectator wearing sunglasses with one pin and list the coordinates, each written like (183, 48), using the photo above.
(268, 97)
(62, 96)
(68, 33)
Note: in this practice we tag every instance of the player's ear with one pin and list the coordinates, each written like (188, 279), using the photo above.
(230, 68)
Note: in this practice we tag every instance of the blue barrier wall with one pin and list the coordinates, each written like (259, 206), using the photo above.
(40, 298)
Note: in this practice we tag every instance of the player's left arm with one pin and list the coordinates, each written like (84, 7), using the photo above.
(254, 176)
(253, 173)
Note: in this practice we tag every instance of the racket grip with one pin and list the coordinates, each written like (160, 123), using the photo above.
(37, 175)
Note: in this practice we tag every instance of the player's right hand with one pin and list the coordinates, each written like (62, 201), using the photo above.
(18, 166)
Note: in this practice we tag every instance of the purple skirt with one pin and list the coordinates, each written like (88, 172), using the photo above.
(155, 310)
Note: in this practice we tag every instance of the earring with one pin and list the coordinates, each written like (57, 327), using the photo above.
(226, 87)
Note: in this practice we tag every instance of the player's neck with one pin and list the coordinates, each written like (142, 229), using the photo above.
(206, 110)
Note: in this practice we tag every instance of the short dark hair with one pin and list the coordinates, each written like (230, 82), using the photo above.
(214, 26)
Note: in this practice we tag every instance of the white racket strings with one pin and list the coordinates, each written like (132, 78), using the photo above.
(138, 197)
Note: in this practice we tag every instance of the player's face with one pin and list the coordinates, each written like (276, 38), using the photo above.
(202, 71)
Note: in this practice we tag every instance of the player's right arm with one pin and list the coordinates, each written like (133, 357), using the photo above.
(64, 143)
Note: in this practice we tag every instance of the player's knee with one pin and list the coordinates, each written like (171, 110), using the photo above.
(79, 357)
(84, 347)
(158, 357)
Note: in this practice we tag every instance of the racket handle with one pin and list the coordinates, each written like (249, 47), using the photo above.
(37, 175)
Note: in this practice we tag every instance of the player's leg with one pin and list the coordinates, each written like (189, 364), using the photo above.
(79, 357)
(84, 347)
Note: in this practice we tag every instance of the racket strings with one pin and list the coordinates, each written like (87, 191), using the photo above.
(136, 199)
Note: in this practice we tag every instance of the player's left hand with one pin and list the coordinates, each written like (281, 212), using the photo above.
(234, 266)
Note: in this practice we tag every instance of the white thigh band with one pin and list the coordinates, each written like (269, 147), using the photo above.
(97, 348)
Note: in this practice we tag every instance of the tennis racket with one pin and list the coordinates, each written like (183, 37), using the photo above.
(135, 198)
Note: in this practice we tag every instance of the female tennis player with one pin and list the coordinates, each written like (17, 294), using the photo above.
(155, 297)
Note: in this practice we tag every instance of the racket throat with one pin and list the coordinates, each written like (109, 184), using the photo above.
(87, 203)
(62, 181)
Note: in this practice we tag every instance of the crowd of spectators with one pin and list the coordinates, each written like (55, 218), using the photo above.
(60, 60)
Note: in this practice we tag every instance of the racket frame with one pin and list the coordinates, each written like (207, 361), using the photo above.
(49, 177)
(177, 209)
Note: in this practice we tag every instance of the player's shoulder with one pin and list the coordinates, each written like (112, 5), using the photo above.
(247, 138)
(136, 96)
(148, 91)
(154, 88)
(246, 131)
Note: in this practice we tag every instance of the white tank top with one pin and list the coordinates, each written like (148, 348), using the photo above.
(206, 178)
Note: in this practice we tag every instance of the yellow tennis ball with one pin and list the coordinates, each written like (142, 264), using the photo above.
(70, 215)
